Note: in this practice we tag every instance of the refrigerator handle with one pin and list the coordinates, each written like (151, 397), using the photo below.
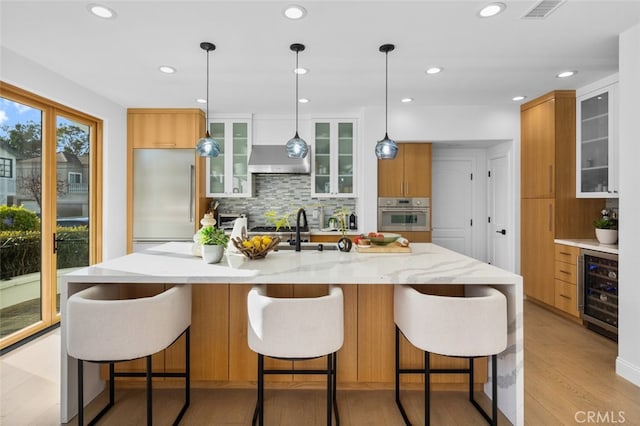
(192, 207)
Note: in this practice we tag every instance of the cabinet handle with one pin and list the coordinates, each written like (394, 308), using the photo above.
(407, 188)
(565, 253)
(564, 272)
(164, 144)
(550, 214)
(565, 296)
(550, 178)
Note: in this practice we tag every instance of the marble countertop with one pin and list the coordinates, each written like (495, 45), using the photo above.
(590, 244)
(174, 263)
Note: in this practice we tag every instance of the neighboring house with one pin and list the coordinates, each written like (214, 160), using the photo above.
(7, 175)
(72, 184)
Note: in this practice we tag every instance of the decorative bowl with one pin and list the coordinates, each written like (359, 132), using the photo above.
(255, 247)
(386, 238)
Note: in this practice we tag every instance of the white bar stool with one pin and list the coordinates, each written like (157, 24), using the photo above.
(296, 329)
(103, 328)
(471, 326)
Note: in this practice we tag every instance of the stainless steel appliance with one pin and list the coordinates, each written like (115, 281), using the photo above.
(274, 159)
(163, 196)
(404, 214)
(598, 291)
(226, 220)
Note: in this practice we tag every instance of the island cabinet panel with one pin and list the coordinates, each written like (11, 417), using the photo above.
(209, 334)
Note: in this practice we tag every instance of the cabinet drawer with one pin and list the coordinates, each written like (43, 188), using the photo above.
(568, 254)
(566, 298)
(565, 272)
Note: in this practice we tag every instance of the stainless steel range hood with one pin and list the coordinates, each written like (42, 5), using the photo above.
(274, 159)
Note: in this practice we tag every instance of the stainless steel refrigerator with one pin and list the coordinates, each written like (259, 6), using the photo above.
(163, 196)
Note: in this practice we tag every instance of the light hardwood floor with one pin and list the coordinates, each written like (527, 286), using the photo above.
(569, 373)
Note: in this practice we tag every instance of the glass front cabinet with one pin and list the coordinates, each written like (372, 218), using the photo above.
(597, 144)
(333, 159)
(227, 174)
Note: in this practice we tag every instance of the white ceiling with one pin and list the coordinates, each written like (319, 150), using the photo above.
(486, 61)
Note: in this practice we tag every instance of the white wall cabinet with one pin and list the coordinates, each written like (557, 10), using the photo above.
(227, 174)
(597, 141)
(333, 150)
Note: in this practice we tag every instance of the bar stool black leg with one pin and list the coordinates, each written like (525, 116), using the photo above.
(149, 391)
(335, 381)
(494, 389)
(80, 394)
(427, 389)
(329, 389)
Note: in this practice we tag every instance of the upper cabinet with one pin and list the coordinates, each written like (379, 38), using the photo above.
(164, 128)
(226, 174)
(333, 153)
(597, 143)
(407, 175)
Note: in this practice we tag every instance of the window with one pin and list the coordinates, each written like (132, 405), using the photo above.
(75, 177)
(6, 167)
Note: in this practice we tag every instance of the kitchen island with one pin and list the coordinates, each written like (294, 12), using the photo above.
(219, 350)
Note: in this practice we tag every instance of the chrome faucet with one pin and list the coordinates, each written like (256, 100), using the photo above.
(301, 212)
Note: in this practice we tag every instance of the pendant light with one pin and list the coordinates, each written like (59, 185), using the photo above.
(386, 149)
(296, 147)
(207, 146)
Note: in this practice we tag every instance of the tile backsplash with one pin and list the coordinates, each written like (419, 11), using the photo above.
(284, 193)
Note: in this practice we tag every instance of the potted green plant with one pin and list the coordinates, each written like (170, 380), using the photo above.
(344, 243)
(606, 228)
(213, 242)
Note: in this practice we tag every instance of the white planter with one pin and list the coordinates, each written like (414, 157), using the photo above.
(212, 253)
(607, 236)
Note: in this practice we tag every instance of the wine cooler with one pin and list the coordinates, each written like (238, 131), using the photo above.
(598, 291)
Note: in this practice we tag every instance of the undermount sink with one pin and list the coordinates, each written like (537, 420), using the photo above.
(307, 246)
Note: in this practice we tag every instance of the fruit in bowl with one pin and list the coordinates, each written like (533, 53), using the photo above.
(382, 238)
(255, 247)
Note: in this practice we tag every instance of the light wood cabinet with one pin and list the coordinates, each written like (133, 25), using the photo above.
(549, 207)
(407, 175)
(565, 275)
(164, 128)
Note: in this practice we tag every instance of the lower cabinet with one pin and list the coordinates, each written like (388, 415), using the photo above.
(566, 290)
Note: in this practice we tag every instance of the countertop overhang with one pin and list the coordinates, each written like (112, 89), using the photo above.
(174, 263)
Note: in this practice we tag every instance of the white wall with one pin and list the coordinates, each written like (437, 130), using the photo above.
(444, 124)
(28, 75)
(628, 362)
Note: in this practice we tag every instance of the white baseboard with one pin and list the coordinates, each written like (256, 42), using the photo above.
(628, 371)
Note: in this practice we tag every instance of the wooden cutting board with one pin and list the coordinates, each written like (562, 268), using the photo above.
(393, 247)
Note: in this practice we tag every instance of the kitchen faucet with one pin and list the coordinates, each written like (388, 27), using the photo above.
(304, 214)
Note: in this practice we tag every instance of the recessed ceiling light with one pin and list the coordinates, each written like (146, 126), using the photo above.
(303, 100)
(406, 100)
(300, 70)
(518, 98)
(293, 11)
(201, 101)
(167, 69)
(101, 11)
(433, 70)
(565, 74)
(491, 9)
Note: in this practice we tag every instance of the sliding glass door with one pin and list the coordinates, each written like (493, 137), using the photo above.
(49, 207)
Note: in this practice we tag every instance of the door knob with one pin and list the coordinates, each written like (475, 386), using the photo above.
(502, 231)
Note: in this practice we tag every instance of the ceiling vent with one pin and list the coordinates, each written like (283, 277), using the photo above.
(543, 9)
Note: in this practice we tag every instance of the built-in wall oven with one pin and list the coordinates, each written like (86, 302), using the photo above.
(598, 291)
(404, 214)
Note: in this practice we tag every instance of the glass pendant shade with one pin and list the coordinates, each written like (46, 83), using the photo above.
(296, 147)
(386, 149)
(208, 147)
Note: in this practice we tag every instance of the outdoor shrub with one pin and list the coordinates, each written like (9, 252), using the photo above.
(20, 250)
(14, 218)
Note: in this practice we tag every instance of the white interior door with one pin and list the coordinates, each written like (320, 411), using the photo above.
(500, 230)
(451, 212)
